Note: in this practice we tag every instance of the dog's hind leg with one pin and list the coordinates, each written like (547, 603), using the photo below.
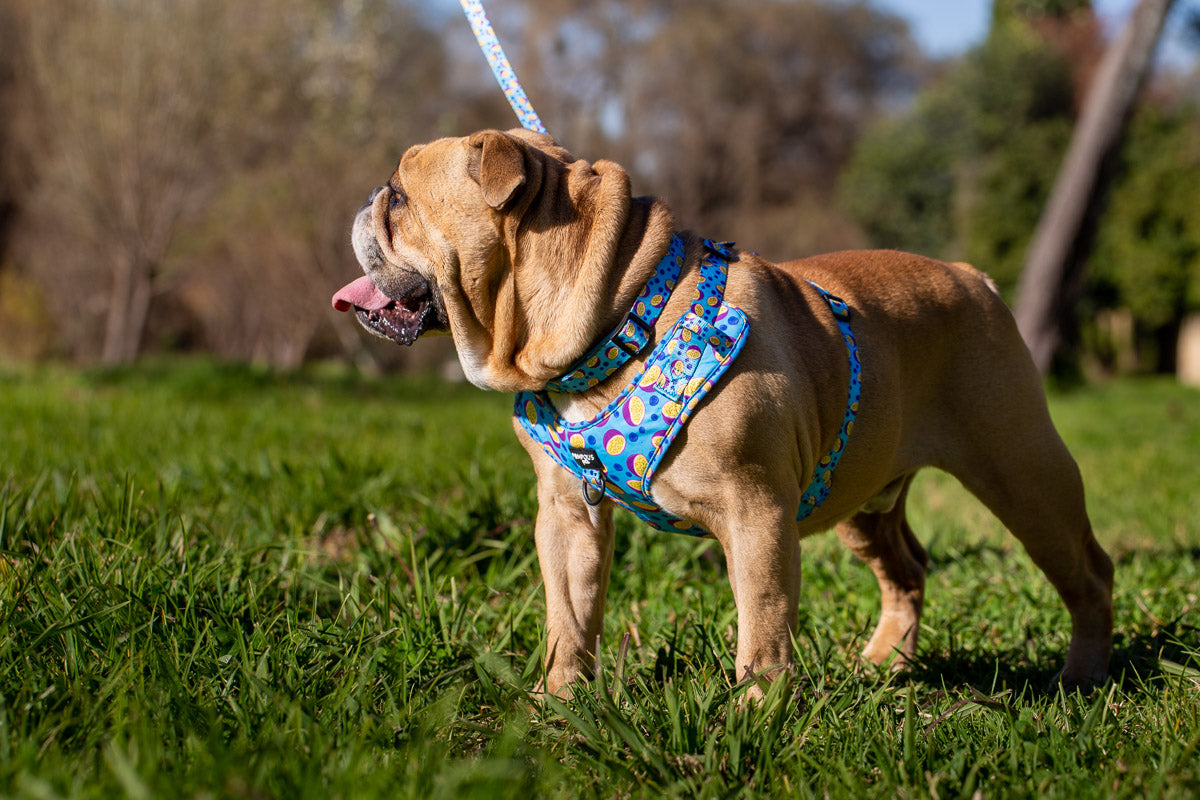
(1005, 450)
(883, 540)
(1036, 490)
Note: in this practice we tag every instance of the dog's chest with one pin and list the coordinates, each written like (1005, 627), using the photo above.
(616, 449)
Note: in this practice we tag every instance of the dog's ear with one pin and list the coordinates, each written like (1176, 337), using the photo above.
(497, 163)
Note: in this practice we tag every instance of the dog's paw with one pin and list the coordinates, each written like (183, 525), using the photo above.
(1084, 682)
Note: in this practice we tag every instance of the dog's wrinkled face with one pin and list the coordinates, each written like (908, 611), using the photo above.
(441, 210)
(506, 241)
(398, 298)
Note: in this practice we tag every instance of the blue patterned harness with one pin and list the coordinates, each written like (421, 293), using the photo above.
(616, 453)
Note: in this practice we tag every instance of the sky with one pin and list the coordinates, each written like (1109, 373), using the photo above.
(947, 27)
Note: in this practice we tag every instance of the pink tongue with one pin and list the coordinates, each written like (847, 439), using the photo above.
(362, 293)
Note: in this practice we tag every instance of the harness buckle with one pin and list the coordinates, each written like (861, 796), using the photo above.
(631, 346)
(838, 306)
(723, 249)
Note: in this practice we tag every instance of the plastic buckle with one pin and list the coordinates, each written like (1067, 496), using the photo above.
(838, 306)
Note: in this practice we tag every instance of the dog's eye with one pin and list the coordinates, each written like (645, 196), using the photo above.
(397, 200)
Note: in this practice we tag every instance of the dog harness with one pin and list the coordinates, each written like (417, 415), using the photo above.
(615, 453)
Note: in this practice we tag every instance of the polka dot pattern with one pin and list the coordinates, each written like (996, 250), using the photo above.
(632, 335)
(822, 481)
(617, 452)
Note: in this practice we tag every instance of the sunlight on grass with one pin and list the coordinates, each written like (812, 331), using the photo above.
(217, 581)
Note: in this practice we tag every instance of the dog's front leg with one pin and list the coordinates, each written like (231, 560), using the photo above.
(575, 551)
(763, 557)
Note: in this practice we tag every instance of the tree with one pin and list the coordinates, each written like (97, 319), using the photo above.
(203, 159)
(900, 183)
(740, 115)
(1052, 276)
(130, 92)
(755, 134)
(1009, 12)
(964, 174)
(13, 168)
(346, 82)
(1147, 256)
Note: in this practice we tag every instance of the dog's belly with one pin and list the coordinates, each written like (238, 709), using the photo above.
(885, 501)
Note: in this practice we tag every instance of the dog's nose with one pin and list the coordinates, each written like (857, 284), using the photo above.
(374, 193)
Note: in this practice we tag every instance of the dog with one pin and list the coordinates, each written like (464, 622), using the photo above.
(880, 362)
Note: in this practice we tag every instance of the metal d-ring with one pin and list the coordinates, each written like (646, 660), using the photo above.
(587, 498)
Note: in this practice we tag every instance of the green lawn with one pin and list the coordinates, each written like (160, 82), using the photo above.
(220, 582)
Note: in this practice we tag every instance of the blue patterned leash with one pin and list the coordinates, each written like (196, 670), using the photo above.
(503, 70)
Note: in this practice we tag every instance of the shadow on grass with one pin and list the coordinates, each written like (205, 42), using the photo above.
(1140, 657)
(988, 671)
(1169, 651)
(1138, 661)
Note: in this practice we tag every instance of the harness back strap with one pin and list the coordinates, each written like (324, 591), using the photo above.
(822, 480)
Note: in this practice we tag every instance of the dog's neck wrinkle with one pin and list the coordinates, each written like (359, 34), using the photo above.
(643, 244)
(505, 337)
(598, 269)
(594, 248)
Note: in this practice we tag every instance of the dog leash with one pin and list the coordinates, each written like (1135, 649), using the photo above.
(501, 68)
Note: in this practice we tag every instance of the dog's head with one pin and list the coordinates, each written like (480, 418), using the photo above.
(522, 252)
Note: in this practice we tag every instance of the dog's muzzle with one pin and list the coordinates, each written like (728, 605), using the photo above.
(399, 309)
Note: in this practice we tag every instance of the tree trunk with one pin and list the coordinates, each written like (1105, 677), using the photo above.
(128, 311)
(1052, 276)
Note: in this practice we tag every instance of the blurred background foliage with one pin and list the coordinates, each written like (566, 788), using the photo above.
(180, 175)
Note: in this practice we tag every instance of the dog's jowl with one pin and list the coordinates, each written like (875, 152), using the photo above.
(716, 394)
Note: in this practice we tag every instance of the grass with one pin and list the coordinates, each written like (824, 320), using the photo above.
(221, 582)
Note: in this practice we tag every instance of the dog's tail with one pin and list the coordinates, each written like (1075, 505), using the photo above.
(987, 279)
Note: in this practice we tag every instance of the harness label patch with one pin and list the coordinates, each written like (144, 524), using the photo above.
(585, 457)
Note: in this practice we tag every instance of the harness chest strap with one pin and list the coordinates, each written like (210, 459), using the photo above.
(616, 453)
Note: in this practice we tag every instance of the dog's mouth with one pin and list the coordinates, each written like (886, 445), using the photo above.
(400, 323)
(401, 320)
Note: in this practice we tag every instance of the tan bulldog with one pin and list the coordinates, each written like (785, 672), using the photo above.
(528, 257)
